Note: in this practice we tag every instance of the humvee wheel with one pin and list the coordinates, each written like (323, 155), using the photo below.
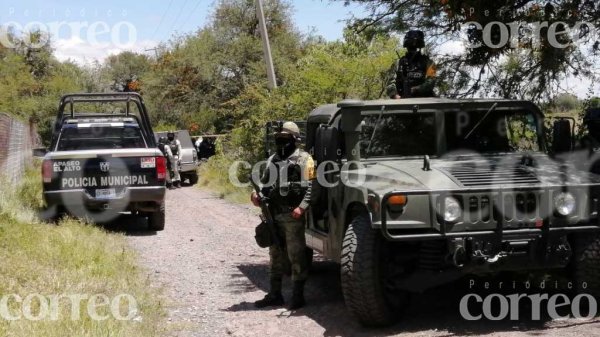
(587, 264)
(362, 275)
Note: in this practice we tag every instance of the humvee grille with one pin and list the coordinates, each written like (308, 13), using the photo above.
(515, 210)
(471, 176)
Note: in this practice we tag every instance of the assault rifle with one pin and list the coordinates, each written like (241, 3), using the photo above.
(403, 69)
(266, 232)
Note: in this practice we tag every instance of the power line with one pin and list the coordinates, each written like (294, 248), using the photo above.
(179, 14)
(191, 13)
(162, 19)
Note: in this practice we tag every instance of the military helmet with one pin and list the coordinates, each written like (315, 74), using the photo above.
(171, 135)
(289, 128)
(414, 39)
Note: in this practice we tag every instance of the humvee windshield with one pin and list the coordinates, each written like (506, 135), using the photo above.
(415, 134)
(499, 131)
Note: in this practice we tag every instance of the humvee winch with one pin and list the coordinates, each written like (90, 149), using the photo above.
(415, 193)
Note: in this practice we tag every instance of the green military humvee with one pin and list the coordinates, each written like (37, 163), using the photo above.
(415, 193)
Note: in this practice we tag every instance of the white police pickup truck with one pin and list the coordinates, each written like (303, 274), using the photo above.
(100, 165)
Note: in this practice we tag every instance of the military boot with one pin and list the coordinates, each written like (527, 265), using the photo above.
(274, 297)
(298, 296)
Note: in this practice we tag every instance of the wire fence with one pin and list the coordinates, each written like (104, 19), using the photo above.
(17, 140)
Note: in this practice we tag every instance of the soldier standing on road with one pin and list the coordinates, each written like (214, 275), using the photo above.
(414, 74)
(290, 197)
(175, 146)
(163, 146)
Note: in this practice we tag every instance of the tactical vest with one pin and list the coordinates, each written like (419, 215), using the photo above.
(290, 191)
(174, 148)
(414, 70)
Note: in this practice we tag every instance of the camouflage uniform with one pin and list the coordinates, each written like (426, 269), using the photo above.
(413, 75)
(291, 230)
(289, 193)
(419, 72)
(175, 147)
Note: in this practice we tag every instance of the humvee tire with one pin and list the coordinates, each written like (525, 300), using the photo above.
(360, 274)
(587, 264)
(156, 220)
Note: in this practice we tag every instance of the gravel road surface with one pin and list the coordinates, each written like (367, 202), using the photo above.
(212, 271)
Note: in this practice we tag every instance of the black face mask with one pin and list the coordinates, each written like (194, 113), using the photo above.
(285, 146)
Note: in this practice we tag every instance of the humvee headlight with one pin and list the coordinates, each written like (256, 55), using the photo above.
(564, 203)
(452, 209)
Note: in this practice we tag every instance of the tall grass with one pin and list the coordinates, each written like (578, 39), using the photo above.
(70, 258)
(214, 175)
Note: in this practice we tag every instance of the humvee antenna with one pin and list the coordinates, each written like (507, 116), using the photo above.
(481, 120)
(374, 131)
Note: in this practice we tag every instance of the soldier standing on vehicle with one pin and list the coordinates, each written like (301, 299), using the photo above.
(290, 196)
(175, 146)
(163, 146)
(414, 74)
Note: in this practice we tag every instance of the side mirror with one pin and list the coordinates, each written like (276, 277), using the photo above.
(562, 136)
(40, 152)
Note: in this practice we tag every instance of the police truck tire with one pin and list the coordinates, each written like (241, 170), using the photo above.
(156, 220)
(361, 282)
(587, 264)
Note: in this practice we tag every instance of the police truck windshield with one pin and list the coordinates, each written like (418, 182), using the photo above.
(92, 137)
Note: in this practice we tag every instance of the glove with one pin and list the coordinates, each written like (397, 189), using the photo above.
(255, 199)
(297, 213)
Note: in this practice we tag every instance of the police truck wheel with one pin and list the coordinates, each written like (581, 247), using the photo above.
(156, 220)
(587, 264)
(361, 274)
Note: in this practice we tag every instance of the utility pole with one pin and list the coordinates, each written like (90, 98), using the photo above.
(155, 51)
(266, 46)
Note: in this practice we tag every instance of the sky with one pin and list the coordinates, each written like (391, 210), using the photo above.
(144, 23)
(89, 31)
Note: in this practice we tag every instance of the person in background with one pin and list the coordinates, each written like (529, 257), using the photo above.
(166, 151)
(175, 146)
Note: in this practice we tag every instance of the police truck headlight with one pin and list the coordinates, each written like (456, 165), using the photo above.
(452, 209)
(564, 203)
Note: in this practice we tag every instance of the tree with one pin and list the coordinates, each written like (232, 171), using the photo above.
(197, 74)
(123, 71)
(567, 102)
(523, 66)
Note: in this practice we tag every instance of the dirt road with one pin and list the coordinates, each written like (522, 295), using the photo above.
(212, 271)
